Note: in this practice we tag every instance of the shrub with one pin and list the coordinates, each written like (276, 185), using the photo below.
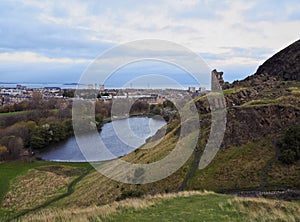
(130, 194)
(290, 146)
(99, 120)
(58, 132)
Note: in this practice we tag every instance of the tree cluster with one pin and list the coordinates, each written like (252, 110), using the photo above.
(43, 136)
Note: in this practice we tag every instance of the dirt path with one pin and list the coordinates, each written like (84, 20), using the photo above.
(194, 166)
(267, 167)
(46, 204)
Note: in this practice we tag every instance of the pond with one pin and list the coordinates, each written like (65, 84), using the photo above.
(120, 137)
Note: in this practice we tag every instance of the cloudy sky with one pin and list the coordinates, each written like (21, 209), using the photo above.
(54, 41)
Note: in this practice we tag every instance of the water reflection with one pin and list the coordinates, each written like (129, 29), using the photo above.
(120, 137)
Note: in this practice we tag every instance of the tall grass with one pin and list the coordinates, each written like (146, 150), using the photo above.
(103, 212)
(263, 210)
(183, 206)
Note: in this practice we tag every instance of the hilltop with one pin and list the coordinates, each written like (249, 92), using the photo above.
(283, 66)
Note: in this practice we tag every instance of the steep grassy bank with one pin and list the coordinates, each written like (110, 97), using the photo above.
(247, 168)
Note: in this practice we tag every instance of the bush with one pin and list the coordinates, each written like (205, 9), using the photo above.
(139, 106)
(69, 127)
(99, 120)
(155, 109)
(130, 194)
(58, 132)
(39, 137)
(47, 134)
(169, 104)
(290, 146)
(38, 142)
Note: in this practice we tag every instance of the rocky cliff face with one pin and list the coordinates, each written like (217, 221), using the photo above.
(284, 65)
(252, 122)
(267, 102)
(255, 122)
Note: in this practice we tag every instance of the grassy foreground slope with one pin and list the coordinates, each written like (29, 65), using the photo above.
(28, 185)
(183, 206)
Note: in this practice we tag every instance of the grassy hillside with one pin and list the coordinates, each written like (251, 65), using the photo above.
(10, 113)
(247, 161)
(247, 167)
(184, 206)
(28, 185)
(235, 168)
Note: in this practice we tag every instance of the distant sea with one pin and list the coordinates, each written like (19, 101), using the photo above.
(38, 85)
(75, 85)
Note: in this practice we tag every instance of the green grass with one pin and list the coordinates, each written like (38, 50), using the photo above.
(19, 112)
(235, 167)
(9, 171)
(10, 113)
(260, 102)
(291, 100)
(207, 207)
(193, 208)
(183, 206)
(55, 110)
(230, 91)
(285, 175)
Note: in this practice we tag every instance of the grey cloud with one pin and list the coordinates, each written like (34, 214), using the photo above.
(252, 52)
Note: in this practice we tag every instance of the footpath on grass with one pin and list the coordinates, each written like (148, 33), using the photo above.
(274, 191)
(70, 188)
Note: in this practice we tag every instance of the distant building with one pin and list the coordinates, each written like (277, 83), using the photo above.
(202, 90)
(217, 80)
(90, 86)
(101, 87)
(192, 89)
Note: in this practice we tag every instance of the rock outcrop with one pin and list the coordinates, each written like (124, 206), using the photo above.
(284, 65)
(255, 122)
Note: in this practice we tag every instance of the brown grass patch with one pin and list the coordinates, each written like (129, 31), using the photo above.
(260, 209)
(38, 186)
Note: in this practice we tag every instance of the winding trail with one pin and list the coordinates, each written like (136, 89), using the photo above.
(284, 192)
(267, 167)
(46, 204)
(194, 167)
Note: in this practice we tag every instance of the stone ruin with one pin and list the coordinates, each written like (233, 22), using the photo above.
(217, 80)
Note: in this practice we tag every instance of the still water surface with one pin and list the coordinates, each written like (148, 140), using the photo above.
(120, 138)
